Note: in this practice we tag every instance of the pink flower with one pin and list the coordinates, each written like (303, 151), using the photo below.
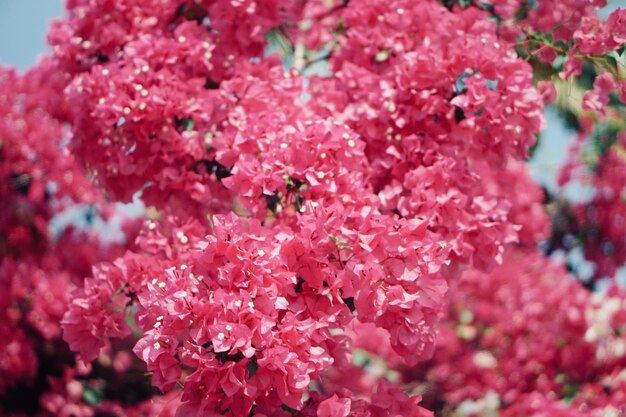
(598, 98)
(334, 407)
(573, 66)
(547, 91)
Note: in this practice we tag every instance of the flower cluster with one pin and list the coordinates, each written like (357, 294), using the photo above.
(598, 162)
(342, 213)
(515, 346)
(34, 168)
(307, 212)
(568, 23)
(42, 263)
(423, 127)
(143, 99)
(36, 176)
(596, 158)
(255, 310)
(97, 32)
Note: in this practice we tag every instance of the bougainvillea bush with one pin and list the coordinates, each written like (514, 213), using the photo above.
(337, 219)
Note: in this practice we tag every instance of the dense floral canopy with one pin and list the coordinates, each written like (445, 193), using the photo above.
(338, 217)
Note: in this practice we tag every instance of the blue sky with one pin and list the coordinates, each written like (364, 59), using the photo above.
(23, 26)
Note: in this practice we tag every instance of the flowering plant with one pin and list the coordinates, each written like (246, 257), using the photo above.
(337, 220)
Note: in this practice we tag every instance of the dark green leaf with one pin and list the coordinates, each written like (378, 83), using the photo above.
(92, 396)
(252, 367)
(289, 409)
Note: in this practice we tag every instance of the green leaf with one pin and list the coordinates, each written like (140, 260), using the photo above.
(91, 395)
(533, 149)
(612, 64)
(186, 123)
(561, 44)
(549, 38)
(460, 87)
(252, 367)
(289, 409)
(570, 390)
(486, 6)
